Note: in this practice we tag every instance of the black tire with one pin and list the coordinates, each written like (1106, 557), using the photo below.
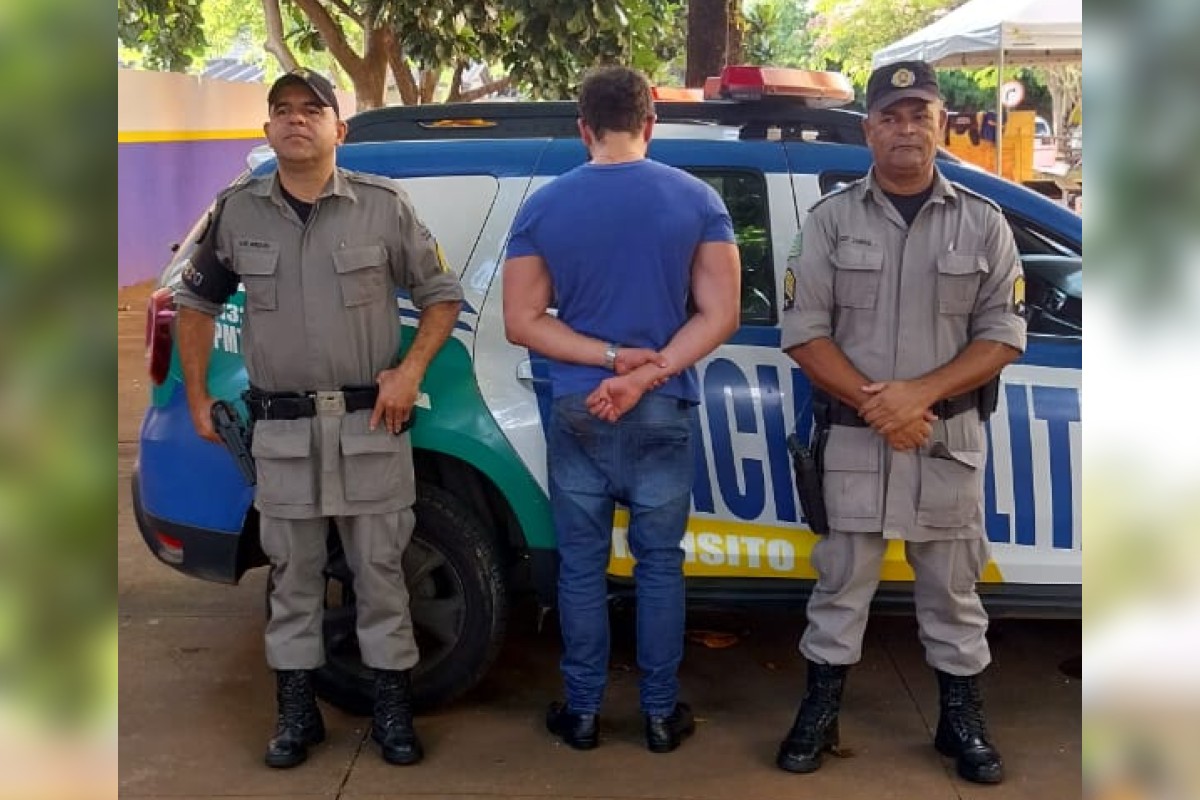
(458, 600)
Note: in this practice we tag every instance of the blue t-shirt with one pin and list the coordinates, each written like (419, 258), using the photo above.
(619, 240)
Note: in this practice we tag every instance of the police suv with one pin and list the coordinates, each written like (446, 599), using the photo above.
(771, 146)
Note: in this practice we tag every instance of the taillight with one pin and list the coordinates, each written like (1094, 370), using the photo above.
(160, 311)
(170, 549)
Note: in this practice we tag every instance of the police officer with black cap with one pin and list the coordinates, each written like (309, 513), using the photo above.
(907, 304)
(321, 252)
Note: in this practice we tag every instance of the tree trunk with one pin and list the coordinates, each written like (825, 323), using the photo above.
(735, 40)
(429, 82)
(707, 34)
(367, 72)
(276, 44)
(409, 94)
(373, 78)
(455, 92)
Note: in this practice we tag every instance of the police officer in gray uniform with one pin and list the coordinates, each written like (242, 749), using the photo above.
(908, 299)
(321, 252)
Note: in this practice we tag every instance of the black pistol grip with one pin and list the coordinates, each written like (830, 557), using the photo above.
(235, 437)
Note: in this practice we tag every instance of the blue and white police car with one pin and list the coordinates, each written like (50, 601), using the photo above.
(483, 523)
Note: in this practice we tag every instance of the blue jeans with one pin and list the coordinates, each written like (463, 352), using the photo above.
(644, 461)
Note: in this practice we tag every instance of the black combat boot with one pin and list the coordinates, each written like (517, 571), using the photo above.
(962, 732)
(299, 723)
(393, 723)
(816, 727)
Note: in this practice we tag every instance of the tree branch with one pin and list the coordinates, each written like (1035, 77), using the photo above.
(276, 44)
(332, 34)
(345, 8)
(402, 74)
(499, 85)
(456, 82)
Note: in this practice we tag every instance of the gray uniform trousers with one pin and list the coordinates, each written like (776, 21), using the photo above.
(953, 623)
(374, 544)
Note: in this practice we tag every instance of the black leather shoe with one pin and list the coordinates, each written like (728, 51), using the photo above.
(580, 731)
(299, 723)
(962, 731)
(664, 734)
(392, 726)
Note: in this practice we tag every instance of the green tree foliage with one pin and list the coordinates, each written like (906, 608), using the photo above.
(544, 45)
(169, 34)
(975, 90)
(778, 34)
(229, 24)
(849, 33)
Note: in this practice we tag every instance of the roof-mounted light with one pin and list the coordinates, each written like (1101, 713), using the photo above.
(676, 94)
(812, 88)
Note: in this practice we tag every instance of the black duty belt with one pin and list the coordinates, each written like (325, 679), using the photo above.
(300, 405)
(842, 414)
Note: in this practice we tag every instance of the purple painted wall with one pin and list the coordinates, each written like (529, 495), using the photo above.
(162, 188)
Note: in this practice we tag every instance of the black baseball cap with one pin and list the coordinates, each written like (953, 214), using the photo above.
(902, 79)
(316, 83)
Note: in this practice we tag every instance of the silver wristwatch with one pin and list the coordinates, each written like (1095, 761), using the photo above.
(610, 355)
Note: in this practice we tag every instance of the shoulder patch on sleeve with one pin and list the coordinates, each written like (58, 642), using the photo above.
(789, 289)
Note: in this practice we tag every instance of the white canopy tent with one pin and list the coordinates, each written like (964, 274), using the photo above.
(984, 33)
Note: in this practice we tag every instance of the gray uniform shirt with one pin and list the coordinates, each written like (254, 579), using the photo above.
(321, 315)
(901, 302)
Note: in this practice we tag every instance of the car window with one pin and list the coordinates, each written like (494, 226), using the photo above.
(1034, 241)
(745, 195)
(1053, 279)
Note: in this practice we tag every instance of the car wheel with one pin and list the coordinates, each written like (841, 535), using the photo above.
(457, 597)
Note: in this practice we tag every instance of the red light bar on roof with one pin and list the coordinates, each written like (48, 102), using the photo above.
(810, 87)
